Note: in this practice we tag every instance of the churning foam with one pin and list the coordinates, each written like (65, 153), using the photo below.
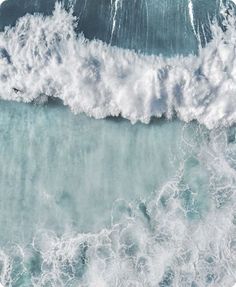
(169, 239)
(42, 56)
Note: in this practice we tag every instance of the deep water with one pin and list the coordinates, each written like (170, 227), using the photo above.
(150, 26)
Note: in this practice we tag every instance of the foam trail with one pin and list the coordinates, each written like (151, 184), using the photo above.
(191, 15)
(115, 4)
(42, 56)
(1, 1)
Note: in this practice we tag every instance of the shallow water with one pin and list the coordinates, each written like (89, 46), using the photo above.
(157, 200)
(64, 171)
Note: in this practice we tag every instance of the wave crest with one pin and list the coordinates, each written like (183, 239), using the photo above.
(42, 57)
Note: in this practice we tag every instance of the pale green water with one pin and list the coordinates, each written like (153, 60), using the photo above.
(166, 185)
(63, 171)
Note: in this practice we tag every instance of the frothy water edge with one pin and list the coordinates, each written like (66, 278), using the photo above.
(43, 57)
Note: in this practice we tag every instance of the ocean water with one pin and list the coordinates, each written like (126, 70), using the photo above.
(117, 143)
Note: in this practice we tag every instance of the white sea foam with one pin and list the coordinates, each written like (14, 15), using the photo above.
(173, 238)
(191, 16)
(42, 56)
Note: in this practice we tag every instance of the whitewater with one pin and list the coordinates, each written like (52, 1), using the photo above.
(117, 164)
(43, 57)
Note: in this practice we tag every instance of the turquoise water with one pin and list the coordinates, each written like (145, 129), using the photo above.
(90, 199)
(76, 190)
(64, 172)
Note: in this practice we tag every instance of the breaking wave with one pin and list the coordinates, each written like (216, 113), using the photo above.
(184, 232)
(43, 57)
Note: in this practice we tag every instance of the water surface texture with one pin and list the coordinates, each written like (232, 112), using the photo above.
(117, 143)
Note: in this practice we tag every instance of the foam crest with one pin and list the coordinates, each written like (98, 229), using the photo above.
(42, 56)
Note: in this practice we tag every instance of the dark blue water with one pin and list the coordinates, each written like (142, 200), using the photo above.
(149, 26)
